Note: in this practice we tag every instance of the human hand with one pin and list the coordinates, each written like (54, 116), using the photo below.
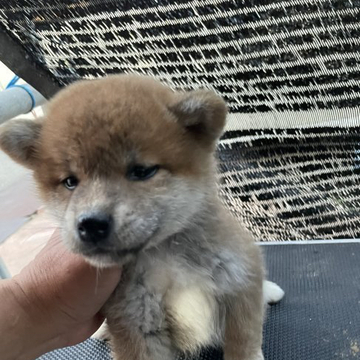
(60, 296)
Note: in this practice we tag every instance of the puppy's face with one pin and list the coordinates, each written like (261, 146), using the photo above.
(122, 162)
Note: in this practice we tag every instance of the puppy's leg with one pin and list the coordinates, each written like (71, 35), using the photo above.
(125, 343)
(138, 325)
(129, 343)
(273, 293)
(243, 328)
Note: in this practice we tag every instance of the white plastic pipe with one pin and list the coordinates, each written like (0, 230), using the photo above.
(18, 100)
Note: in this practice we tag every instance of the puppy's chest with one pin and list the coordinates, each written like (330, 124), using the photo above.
(181, 291)
(188, 301)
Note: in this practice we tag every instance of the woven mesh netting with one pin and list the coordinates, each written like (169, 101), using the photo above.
(289, 70)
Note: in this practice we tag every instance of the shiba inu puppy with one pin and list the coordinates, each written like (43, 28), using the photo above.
(127, 167)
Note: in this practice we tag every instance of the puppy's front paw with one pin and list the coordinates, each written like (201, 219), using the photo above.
(102, 333)
(273, 293)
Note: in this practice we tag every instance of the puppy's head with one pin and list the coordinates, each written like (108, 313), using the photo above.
(122, 162)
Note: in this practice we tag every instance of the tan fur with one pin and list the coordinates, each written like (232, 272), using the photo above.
(192, 275)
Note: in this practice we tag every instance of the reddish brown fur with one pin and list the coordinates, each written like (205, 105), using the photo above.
(126, 130)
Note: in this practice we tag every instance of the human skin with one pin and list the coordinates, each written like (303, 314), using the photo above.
(54, 302)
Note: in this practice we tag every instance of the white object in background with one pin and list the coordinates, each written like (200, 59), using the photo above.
(18, 99)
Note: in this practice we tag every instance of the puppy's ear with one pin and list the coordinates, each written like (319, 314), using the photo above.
(19, 139)
(202, 113)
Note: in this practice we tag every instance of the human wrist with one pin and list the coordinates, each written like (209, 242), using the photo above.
(27, 335)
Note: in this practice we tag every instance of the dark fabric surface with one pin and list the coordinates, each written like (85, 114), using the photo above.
(319, 318)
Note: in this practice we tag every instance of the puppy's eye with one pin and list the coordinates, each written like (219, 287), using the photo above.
(71, 182)
(140, 172)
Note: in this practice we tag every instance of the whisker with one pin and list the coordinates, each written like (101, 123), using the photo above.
(98, 273)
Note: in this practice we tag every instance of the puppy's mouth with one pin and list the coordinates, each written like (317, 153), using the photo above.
(100, 257)
(112, 251)
(105, 255)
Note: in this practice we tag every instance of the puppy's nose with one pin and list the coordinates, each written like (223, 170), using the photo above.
(94, 229)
